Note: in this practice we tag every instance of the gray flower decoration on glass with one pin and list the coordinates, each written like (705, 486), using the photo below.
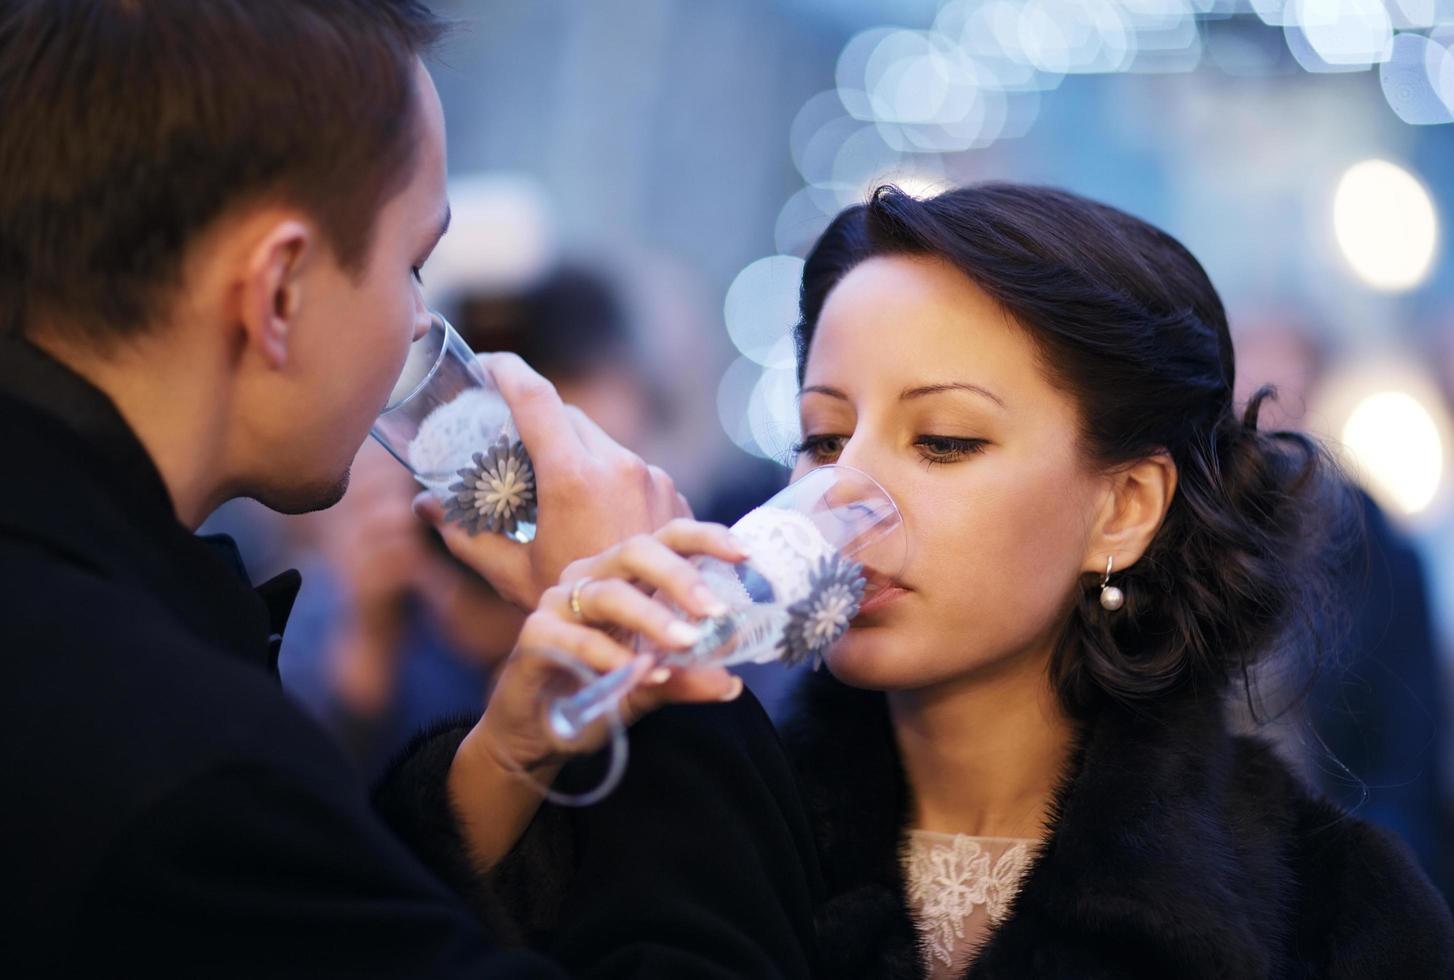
(817, 621)
(496, 493)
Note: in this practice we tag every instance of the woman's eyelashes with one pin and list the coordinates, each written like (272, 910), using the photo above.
(932, 449)
(937, 450)
(819, 449)
(947, 449)
(417, 274)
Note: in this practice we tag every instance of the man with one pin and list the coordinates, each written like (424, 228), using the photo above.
(212, 218)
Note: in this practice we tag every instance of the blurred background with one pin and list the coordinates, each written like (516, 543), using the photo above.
(635, 183)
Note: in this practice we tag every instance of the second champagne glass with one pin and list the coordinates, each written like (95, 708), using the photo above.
(816, 551)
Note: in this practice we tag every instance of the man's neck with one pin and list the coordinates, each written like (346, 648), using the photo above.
(983, 753)
(173, 405)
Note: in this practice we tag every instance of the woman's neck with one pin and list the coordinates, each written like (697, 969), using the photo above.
(983, 753)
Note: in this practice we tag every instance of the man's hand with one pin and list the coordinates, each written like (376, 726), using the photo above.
(592, 493)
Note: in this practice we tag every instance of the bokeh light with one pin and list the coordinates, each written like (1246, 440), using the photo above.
(1387, 418)
(1076, 36)
(1340, 34)
(1385, 225)
(734, 394)
(772, 413)
(758, 408)
(502, 237)
(801, 221)
(909, 103)
(1418, 80)
(1396, 444)
(761, 308)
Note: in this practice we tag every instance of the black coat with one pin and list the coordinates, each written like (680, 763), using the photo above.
(1176, 850)
(170, 812)
(700, 865)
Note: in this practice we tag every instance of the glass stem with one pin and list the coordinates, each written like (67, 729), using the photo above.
(572, 714)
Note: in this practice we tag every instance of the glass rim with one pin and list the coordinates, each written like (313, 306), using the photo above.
(898, 514)
(447, 329)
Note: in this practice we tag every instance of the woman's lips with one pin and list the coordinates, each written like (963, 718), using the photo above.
(880, 591)
(880, 599)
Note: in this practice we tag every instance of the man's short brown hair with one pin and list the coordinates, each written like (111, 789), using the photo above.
(127, 127)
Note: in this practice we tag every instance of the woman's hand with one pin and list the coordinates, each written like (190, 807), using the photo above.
(624, 591)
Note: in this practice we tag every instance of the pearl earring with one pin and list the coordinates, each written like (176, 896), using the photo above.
(1112, 598)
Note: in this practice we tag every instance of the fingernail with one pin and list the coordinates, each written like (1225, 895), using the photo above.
(708, 601)
(659, 676)
(735, 691)
(683, 634)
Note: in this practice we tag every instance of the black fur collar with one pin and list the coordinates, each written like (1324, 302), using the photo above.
(1170, 852)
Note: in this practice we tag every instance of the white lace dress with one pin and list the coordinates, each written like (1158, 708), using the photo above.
(959, 888)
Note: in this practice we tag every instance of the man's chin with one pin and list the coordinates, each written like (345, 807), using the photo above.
(304, 499)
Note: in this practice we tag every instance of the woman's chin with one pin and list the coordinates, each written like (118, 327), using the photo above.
(864, 659)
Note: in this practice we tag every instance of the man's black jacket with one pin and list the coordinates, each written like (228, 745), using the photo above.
(170, 812)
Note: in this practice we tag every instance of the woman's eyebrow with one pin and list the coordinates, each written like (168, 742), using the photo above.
(822, 390)
(935, 389)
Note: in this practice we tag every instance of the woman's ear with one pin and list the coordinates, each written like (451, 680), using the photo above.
(1135, 504)
(272, 287)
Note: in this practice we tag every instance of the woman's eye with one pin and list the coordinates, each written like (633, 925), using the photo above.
(418, 276)
(820, 449)
(947, 449)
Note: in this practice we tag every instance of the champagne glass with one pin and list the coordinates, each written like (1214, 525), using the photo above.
(447, 423)
(816, 551)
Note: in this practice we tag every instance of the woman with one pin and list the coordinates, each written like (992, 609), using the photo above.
(1019, 764)
(1016, 763)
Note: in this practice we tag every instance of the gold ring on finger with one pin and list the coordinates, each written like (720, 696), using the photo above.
(575, 597)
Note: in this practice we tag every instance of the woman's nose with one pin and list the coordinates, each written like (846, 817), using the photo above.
(856, 453)
(423, 320)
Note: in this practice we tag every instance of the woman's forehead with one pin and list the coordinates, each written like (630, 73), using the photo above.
(908, 321)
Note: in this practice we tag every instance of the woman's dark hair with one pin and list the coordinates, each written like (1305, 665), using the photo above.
(132, 125)
(1127, 322)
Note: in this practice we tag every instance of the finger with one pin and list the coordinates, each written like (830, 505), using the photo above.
(497, 559)
(629, 468)
(540, 416)
(683, 508)
(612, 602)
(697, 685)
(663, 495)
(690, 537)
(428, 508)
(591, 647)
(591, 435)
(656, 567)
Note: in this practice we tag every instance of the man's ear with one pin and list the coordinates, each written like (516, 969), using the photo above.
(272, 289)
(1135, 504)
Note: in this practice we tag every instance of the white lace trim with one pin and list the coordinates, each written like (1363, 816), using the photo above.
(948, 877)
(785, 547)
